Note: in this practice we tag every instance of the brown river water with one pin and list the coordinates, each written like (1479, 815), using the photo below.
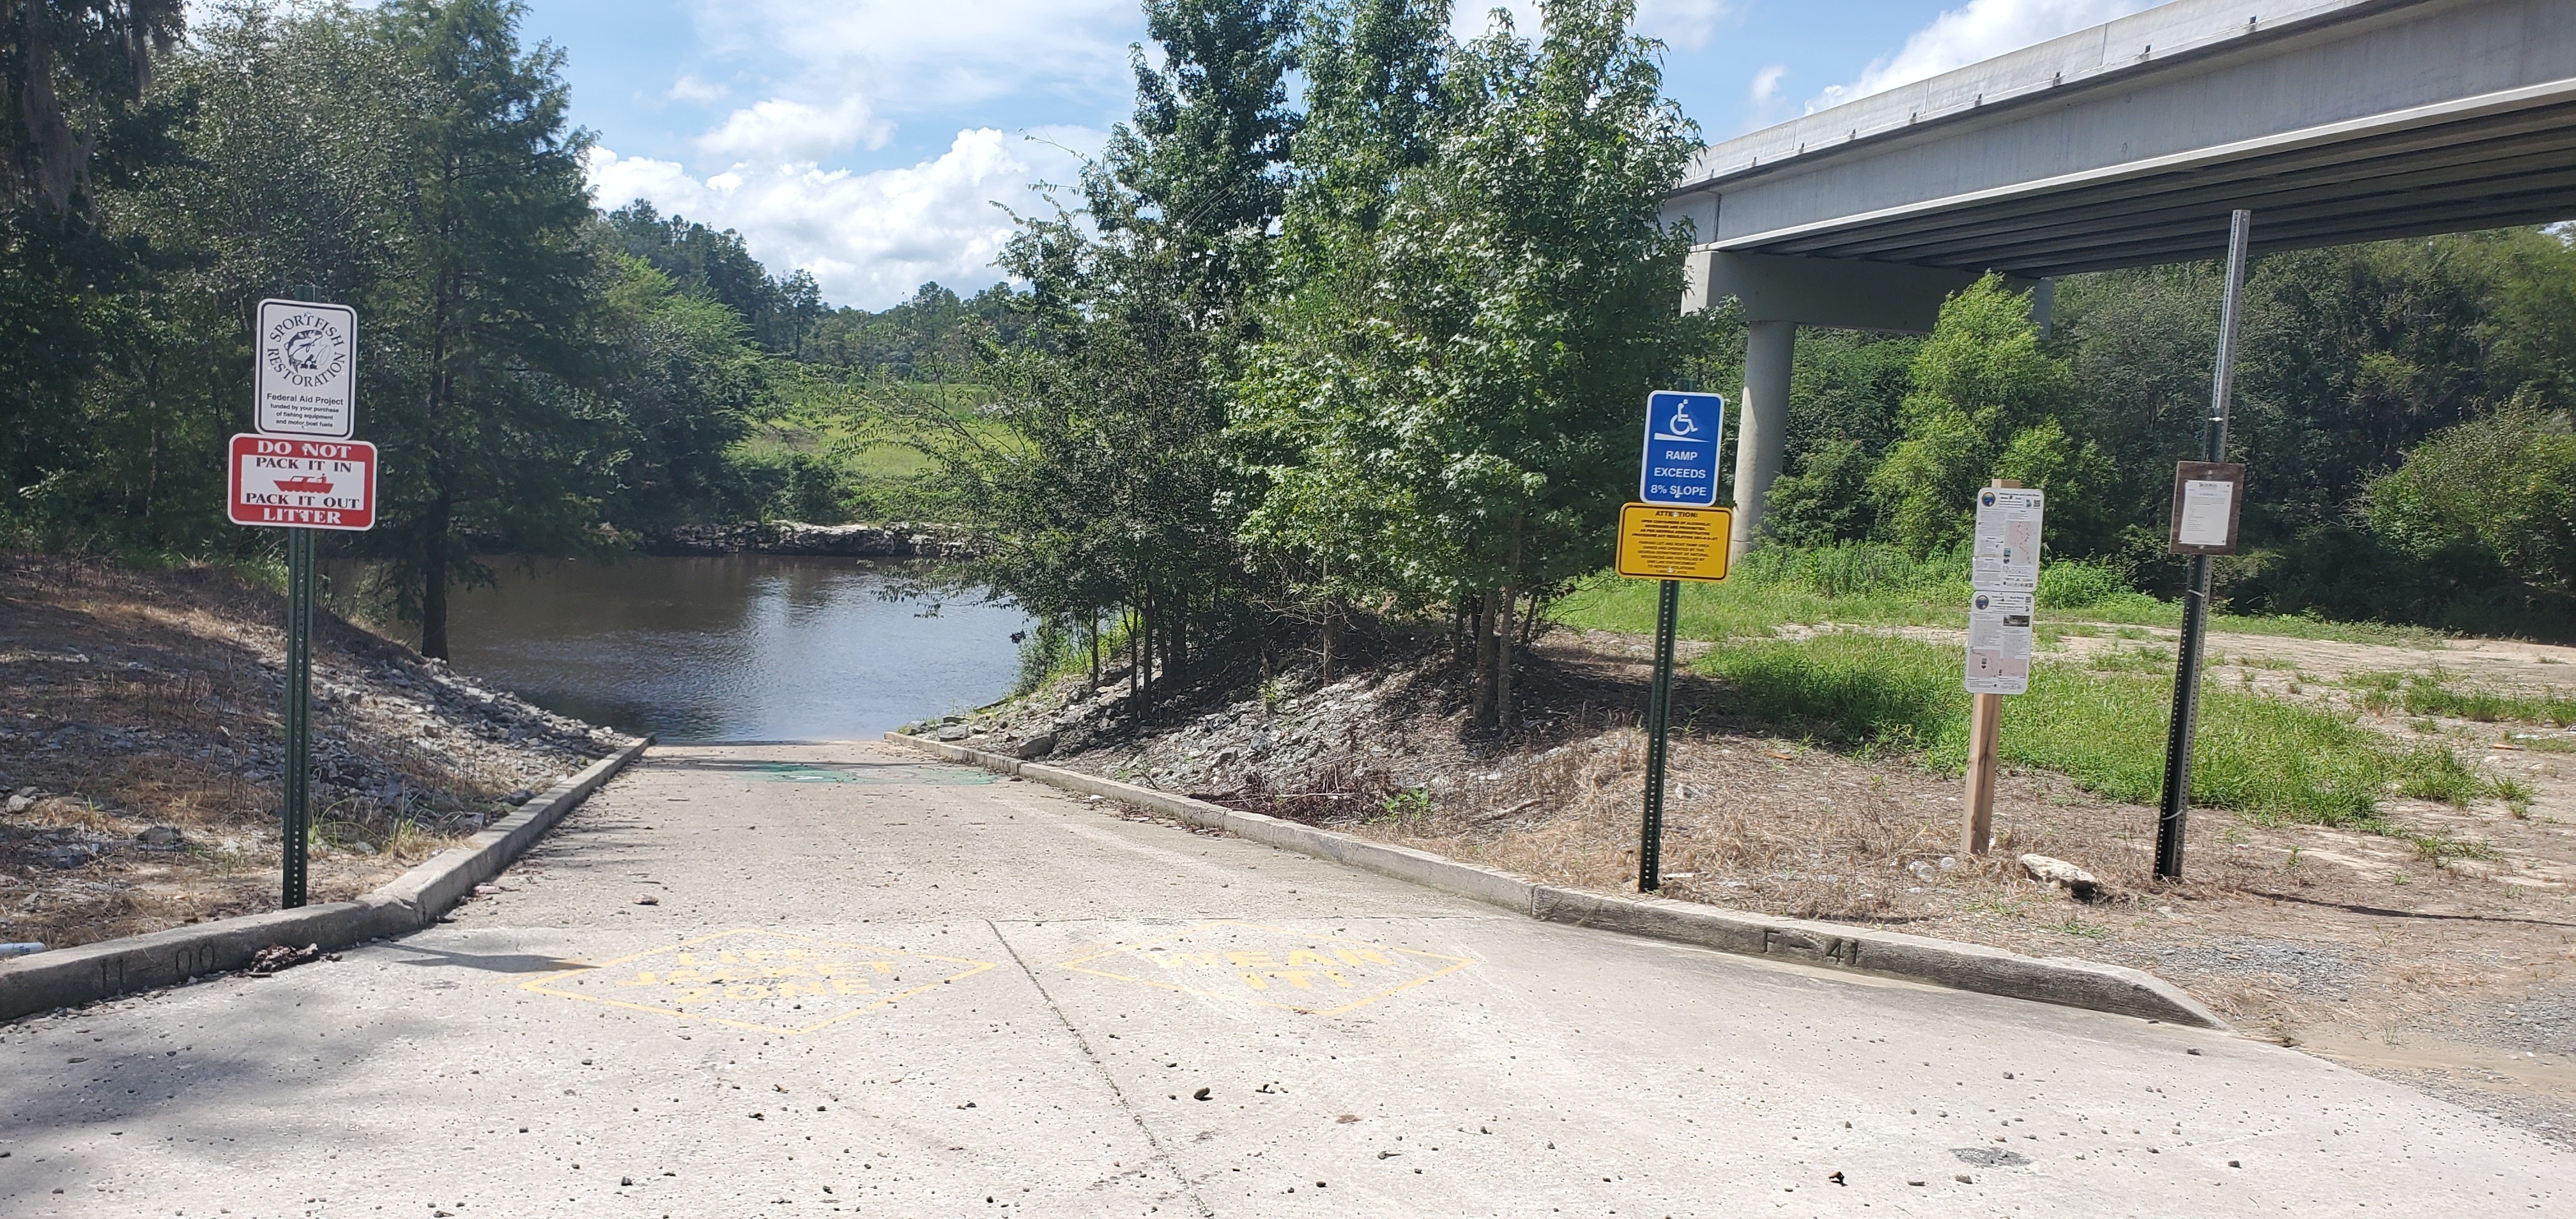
(737, 647)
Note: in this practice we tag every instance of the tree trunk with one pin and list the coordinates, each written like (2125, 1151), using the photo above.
(433, 575)
(1093, 637)
(1148, 621)
(1135, 666)
(1484, 703)
(1504, 717)
(1332, 635)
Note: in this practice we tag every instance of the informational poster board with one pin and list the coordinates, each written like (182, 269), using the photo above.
(2006, 554)
(1999, 639)
(2208, 499)
(1659, 543)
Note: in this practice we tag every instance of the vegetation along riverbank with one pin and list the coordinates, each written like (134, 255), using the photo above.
(141, 751)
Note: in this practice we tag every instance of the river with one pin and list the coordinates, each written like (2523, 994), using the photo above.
(734, 648)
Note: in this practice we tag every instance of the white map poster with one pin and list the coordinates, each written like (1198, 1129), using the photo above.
(2006, 554)
(1999, 643)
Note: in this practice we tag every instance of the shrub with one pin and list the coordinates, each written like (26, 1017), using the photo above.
(2273, 761)
(2079, 585)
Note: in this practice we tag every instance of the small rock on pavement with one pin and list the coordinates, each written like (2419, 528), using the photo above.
(275, 957)
(1037, 747)
(2063, 875)
(648, 900)
(159, 836)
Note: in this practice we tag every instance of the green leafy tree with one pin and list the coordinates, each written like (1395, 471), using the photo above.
(1465, 381)
(1843, 396)
(776, 311)
(2500, 489)
(489, 322)
(75, 73)
(74, 77)
(1986, 403)
(1101, 474)
(684, 386)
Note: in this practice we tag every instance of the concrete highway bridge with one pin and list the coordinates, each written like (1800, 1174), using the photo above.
(2128, 144)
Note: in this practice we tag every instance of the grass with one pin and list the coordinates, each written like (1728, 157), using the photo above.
(1874, 585)
(2420, 694)
(2274, 761)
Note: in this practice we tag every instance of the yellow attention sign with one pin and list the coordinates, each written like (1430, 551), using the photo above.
(1657, 543)
(1299, 971)
(765, 981)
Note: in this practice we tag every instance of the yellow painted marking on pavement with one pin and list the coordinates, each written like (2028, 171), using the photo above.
(764, 981)
(1295, 971)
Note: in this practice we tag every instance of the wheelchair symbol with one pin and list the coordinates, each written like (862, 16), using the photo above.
(1682, 423)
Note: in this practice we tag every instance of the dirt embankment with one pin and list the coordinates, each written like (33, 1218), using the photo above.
(2441, 955)
(141, 750)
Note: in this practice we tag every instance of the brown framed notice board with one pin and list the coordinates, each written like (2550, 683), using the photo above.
(2208, 499)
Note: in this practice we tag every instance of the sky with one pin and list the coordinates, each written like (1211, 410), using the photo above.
(877, 143)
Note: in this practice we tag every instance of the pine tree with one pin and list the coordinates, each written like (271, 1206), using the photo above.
(488, 323)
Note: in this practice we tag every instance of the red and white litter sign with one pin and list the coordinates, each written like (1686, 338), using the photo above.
(281, 481)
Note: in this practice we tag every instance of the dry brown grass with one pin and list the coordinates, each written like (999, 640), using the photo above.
(131, 699)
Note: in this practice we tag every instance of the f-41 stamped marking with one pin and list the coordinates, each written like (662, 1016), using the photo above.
(1801, 946)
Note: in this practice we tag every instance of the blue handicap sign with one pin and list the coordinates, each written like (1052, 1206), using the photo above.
(1680, 464)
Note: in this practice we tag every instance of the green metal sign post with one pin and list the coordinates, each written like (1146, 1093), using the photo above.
(1659, 722)
(297, 830)
(1673, 531)
(301, 471)
(2175, 808)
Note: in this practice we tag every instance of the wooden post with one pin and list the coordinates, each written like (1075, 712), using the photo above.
(1985, 716)
(1985, 723)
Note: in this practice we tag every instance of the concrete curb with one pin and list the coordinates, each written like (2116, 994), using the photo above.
(2067, 981)
(416, 899)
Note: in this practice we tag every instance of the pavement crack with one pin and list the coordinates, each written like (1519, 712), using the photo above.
(1161, 1153)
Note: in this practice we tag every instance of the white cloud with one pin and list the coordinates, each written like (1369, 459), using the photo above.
(690, 89)
(1982, 29)
(1766, 84)
(781, 131)
(1683, 23)
(868, 238)
(914, 55)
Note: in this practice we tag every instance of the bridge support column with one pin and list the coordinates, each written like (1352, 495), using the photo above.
(1763, 424)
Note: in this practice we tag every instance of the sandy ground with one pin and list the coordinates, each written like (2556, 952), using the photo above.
(2455, 973)
(140, 750)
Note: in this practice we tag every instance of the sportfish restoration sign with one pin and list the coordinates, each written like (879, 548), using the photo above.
(308, 369)
(284, 482)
